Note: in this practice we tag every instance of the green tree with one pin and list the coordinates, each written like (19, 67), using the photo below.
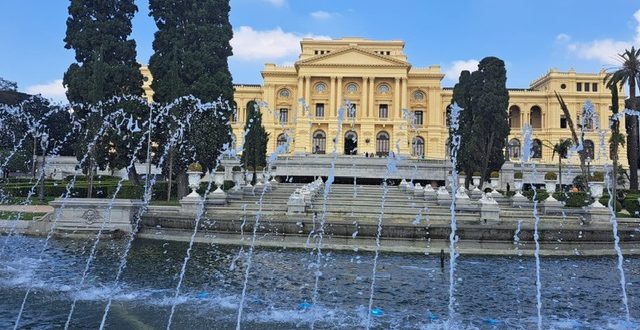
(105, 68)
(191, 49)
(7, 85)
(254, 153)
(561, 149)
(484, 124)
(629, 73)
(617, 138)
(462, 96)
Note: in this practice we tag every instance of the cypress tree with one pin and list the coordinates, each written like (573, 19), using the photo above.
(254, 153)
(105, 68)
(191, 48)
(484, 123)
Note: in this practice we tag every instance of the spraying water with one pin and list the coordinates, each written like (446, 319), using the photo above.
(325, 197)
(453, 238)
(527, 133)
(391, 168)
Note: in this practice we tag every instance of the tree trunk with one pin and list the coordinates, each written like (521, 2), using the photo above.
(90, 174)
(34, 158)
(133, 176)
(560, 172)
(170, 173)
(632, 138)
(42, 174)
(182, 184)
(574, 135)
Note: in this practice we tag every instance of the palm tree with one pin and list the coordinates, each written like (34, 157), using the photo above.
(562, 149)
(629, 72)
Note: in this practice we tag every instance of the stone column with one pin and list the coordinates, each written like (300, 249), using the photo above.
(395, 113)
(307, 91)
(404, 90)
(300, 91)
(370, 102)
(363, 100)
(339, 100)
(331, 111)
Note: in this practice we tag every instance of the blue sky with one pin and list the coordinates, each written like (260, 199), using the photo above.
(530, 36)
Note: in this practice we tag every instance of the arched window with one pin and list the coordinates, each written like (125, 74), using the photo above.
(418, 96)
(514, 116)
(352, 88)
(384, 89)
(589, 149)
(319, 142)
(351, 143)
(284, 93)
(535, 117)
(321, 87)
(536, 149)
(514, 148)
(418, 147)
(382, 144)
(282, 145)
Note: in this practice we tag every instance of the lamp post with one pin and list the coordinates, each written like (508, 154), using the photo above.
(146, 178)
(588, 161)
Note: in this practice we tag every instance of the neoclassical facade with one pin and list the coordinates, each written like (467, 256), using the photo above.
(365, 95)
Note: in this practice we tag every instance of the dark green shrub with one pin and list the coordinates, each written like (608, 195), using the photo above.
(550, 176)
(632, 206)
(540, 195)
(517, 175)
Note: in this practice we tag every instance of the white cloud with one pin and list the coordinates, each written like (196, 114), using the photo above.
(453, 73)
(53, 90)
(276, 3)
(322, 15)
(605, 50)
(268, 45)
(563, 37)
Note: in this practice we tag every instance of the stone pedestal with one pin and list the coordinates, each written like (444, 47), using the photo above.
(235, 194)
(296, 204)
(248, 190)
(429, 193)
(442, 197)
(418, 191)
(597, 214)
(403, 185)
(91, 214)
(189, 205)
(518, 200)
(489, 213)
(217, 197)
(475, 194)
(552, 206)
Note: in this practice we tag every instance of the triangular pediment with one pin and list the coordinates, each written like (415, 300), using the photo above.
(352, 56)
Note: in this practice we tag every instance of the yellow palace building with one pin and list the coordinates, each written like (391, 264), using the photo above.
(390, 106)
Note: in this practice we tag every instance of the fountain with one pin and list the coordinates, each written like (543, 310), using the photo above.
(296, 256)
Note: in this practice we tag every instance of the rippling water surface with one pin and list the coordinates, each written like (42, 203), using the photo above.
(411, 290)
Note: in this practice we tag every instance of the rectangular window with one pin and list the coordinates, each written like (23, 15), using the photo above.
(563, 122)
(586, 87)
(594, 87)
(351, 111)
(319, 110)
(418, 118)
(284, 115)
(579, 87)
(383, 111)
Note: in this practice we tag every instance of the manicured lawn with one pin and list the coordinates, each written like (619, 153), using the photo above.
(6, 215)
